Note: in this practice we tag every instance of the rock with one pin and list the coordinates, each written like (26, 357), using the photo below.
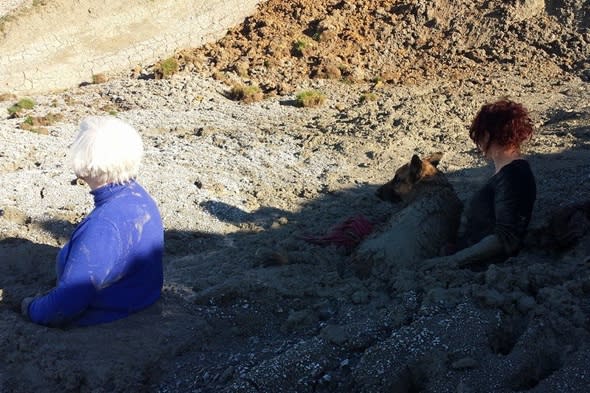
(335, 334)
(526, 304)
(492, 298)
(464, 363)
(360, 297)
(298, 320)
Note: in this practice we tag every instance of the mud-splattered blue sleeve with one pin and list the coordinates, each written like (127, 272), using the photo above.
(93, 252)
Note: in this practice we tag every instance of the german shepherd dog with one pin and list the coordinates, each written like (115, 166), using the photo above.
(428, 220)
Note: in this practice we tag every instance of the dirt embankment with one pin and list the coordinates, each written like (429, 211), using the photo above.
(249, 305)
(59, 44)
(400, 42)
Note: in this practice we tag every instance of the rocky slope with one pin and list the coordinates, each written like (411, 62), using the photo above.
(249, 306)
(406, 42)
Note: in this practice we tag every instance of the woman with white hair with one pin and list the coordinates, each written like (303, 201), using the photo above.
(112, 265)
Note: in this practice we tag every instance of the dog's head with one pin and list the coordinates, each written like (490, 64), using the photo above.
(398, 188)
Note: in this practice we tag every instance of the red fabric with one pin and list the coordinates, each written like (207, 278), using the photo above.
(348, 233)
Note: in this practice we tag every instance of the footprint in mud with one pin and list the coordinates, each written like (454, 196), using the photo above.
(504, 337)
(538, 366)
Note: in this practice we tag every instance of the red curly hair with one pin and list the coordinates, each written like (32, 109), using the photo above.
(507, 123)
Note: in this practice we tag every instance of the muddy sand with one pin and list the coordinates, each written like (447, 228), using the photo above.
(248, 304)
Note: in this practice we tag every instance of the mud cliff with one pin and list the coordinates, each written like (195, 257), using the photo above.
(58, 44)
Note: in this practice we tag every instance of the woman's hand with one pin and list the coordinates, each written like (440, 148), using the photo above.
(488, 247)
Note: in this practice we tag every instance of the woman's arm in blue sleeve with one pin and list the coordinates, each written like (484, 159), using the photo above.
(92, 252)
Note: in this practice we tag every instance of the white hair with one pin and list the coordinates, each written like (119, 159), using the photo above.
(107, 150)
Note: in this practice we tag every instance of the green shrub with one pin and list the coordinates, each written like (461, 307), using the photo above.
(22, 104)
(298, 48)
(26, 103)
(166, 68)
(310, 99)
(246, 94)
(38, 123)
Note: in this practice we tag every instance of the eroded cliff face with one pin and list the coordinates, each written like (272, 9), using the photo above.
(59, 44)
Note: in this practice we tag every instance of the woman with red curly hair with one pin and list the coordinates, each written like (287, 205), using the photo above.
(495, 221)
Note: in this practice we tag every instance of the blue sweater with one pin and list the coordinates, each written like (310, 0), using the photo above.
(112, 265)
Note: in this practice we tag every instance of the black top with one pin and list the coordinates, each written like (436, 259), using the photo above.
(503, 206)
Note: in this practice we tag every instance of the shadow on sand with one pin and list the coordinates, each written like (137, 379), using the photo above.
(252, 291)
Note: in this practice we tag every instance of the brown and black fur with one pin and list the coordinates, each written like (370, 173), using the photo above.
(428, 221)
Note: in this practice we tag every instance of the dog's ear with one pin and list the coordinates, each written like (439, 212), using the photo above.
(434, 158)
(415, 168)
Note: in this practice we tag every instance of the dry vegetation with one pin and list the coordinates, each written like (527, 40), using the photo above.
(166, 68)
(310, 99)
(38, 124)
(22, 105)
(246, 94)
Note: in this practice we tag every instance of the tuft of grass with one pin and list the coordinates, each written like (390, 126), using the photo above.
(110, 109)
(310, 99)
(298, 48)
(13, 110)
(368, 97)
(28, 121)
(99, 78)
(22, 104)
(241, 68)
(43, 121)
(166, 68)
(38, 123)
(26, 103)
(246, 94)
(219, 76)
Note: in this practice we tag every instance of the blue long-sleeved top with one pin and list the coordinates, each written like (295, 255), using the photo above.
(112, 265)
